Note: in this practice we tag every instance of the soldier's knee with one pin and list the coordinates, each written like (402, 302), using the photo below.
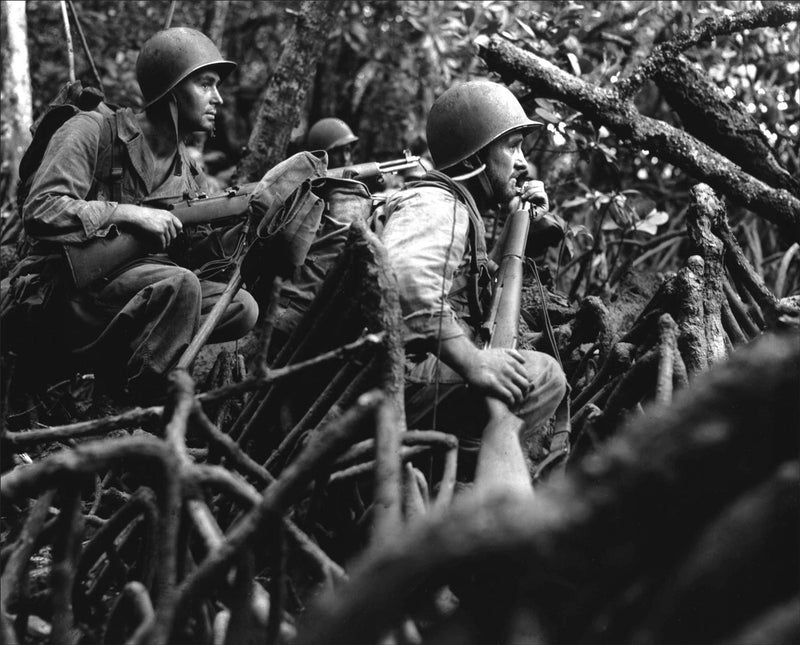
(548, 381)
(187, 284)
(246, 312)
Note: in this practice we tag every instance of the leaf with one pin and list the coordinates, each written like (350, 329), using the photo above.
(580, 232)
(573, 61)
(547, 115)
(526, 29)
(652, 221)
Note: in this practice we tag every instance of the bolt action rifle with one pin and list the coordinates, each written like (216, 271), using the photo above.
(99, 257)
(501, 463)
(375, 169)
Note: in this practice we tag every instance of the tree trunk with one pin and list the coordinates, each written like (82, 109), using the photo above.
(216, 23)
(285, 93)
(16, 97)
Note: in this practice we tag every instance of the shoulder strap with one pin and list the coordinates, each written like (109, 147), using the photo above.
(479, 277)
(117, 155)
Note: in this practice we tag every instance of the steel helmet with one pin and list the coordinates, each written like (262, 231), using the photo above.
(330, 133)
(468, 117)
(170, 55)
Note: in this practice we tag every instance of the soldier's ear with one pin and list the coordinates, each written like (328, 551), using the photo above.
(472, 162)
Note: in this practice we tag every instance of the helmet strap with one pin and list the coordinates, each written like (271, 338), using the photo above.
(172, 102)
(483, 180)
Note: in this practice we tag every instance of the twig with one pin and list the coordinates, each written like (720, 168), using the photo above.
(170, 13)
(244, 463)
(241, 601)
(731, 325)
(743, 273)
(604, 106)
(666, 359)
(780, 281)
(68, 36)
(740, 314)
(407, 438)
(277, 588)
(369, 466)
(297, 476)
(142, 502)
(447, 483)
(260, 368)
(618, 360)
(324, 402)
(772, 15)
(296, 369)
(65, 554)
(387, 503)
(11, 582)
(86, 47)
(130, 419)
(134, 596)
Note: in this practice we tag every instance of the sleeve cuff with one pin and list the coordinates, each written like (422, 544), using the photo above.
(95, 218)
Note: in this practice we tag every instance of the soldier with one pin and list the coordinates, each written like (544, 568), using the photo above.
(435, 236)
(336, 138)
(131, 327)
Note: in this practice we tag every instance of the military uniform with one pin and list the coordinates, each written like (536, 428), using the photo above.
(133, 325)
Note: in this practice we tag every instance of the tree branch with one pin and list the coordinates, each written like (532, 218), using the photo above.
(606, 107)
(772, 15)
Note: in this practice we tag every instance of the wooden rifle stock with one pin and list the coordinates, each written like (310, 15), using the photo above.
(501, 463)
(101, 256)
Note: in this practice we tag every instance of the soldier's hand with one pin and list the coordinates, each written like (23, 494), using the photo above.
(532, 192)
(162, 226)
(500, 373)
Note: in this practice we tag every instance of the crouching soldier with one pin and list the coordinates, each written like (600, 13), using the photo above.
(435, 236)
(131, 327)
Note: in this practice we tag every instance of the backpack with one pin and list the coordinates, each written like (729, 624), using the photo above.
(31, 292)
(71, 99)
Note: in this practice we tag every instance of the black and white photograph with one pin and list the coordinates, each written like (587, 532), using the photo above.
(400, 322)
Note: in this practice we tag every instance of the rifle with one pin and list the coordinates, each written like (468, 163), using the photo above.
(101, 256)
(375, 169)
(501, 462)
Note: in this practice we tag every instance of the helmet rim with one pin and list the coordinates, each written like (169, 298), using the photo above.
(468, 117)
(170, 56)
(224, 67)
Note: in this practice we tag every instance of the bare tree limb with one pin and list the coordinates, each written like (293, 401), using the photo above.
(708, 114)
(772, 15)
(605, 106)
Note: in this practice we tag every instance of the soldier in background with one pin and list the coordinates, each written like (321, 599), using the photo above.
(336, 138)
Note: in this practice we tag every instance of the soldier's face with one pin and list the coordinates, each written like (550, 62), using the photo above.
(505, 164)
(198, 99)
(340, 156)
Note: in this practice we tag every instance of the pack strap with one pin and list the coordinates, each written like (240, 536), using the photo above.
(479, 277)
(117, 156)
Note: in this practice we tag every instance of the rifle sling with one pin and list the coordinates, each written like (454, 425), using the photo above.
(559, 442)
